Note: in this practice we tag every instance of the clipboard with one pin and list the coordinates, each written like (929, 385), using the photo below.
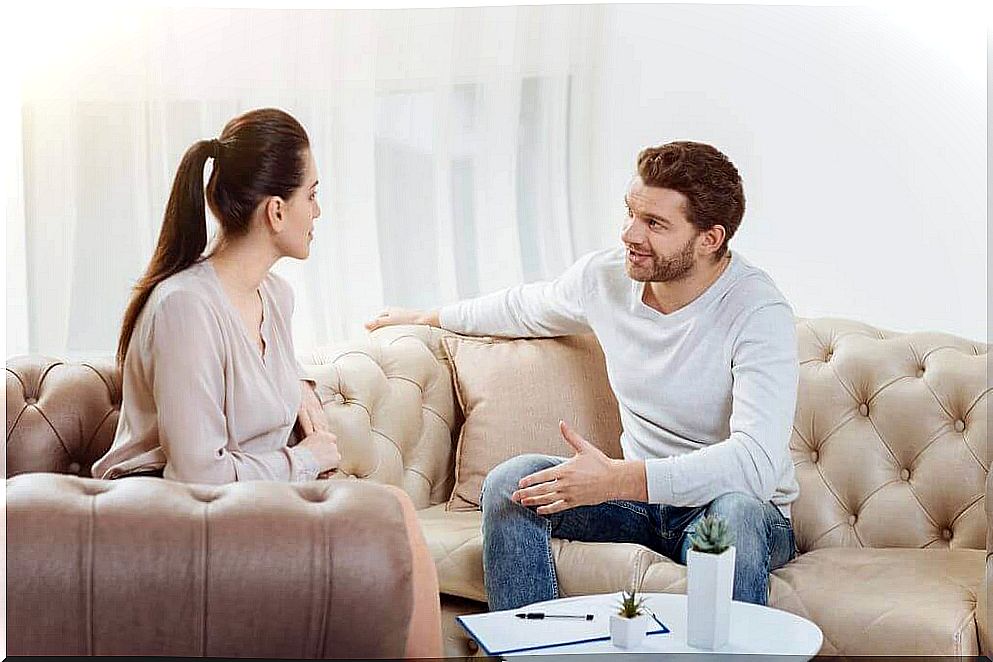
(502, 633)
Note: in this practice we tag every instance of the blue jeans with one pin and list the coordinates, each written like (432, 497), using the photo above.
(517, 549)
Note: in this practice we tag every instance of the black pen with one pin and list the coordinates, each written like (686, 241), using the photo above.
(531, 615)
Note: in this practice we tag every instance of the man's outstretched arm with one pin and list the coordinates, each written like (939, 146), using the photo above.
(531, 310)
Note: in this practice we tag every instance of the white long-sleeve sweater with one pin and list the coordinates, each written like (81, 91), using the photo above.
(707, 393)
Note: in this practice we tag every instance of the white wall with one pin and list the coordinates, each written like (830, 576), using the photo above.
(860, 136)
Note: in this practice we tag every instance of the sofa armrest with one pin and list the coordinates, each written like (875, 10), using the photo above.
(144, 566)
(984, 597)
(391, 403)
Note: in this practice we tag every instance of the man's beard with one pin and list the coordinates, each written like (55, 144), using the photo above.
(665, 269)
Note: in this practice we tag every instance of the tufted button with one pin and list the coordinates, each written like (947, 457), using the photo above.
(920, 372)
(813, 456)
(30, 401)
(314, 496)
(905, 474)
(864, 409)
(203, 496)
(852, 519)
(959, 425)
(73, 468)
(946, 534)
(827, 357)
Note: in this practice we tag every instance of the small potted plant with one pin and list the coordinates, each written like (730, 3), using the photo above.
(709, 584)
(629, 625)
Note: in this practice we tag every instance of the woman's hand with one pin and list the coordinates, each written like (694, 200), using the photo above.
(323, 445)
(311, 414)
(394, 316)
(316, 431)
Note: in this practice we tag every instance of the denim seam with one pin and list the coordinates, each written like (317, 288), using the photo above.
(630, 508)
(786, 524)
(768, 570)
(551, 560)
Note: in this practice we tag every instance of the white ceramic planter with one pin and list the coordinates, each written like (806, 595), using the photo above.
(709, 584)
(627, 632)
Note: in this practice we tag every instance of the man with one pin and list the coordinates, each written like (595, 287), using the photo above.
(701, 353)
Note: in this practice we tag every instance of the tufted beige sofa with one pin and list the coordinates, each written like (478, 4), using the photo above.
(890, 448)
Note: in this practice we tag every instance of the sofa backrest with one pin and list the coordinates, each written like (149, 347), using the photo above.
(61, 415)
(889, 439)
(389, 401)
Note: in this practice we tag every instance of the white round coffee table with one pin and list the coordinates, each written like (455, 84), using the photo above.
(754, 629)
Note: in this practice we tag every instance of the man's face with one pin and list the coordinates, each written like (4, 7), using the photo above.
(661, 243)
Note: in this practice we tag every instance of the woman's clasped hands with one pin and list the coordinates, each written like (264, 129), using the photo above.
(316, 430)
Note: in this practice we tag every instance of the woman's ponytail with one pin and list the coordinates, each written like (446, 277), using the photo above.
(183, 237)
(260, 153)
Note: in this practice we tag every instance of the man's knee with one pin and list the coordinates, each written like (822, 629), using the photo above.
(503, 479)
(742, 512)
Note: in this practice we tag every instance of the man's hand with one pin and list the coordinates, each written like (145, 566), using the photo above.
(586, 479)
(394, 316)
(311, 416)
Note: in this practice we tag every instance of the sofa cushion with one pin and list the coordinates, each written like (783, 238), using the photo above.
(513, 394)
(456, 545)
(886, 601)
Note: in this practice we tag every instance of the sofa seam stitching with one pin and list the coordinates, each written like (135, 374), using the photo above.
(205, 547)
(89, 578)
(321, 647)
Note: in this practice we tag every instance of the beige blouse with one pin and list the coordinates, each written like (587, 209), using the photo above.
(199, 397)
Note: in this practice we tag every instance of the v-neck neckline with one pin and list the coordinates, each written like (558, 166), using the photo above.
(233, 311)
(641, 308)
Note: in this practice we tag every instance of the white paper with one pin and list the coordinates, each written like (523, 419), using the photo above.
(501, 632)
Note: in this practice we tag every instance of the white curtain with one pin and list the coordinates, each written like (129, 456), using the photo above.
(446, 141)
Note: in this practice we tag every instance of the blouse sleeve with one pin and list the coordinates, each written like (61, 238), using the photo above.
(187, 378)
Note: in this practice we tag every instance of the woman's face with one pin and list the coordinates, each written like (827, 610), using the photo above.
(299, 214)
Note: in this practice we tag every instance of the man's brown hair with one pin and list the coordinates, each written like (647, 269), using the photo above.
(705, 176)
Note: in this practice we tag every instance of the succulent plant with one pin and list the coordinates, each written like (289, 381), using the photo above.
(712, 535)
(630, 606)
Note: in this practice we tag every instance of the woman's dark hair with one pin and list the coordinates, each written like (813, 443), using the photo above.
(705, 176)
(259, 154)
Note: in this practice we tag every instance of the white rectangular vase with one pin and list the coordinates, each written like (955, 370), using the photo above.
(709, 584)
(628, 632)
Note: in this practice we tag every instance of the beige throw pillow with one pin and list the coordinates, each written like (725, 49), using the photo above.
(513, 394)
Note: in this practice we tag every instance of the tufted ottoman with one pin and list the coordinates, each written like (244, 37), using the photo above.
(145, 566)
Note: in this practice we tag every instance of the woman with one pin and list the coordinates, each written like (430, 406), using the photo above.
(211, 385)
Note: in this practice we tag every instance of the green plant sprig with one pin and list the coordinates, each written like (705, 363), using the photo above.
(631, 605)
(712, 535)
